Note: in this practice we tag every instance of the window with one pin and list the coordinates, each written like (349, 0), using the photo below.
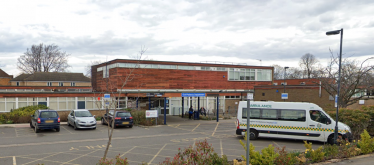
(319, 116)
(60, 84)
(249, 74)
(49, 84)
(284, 83)
(269, 114)
(263, 94)
(72, 84)
(106, 72)
(17, 83)
(123, 114)
(48, 114)
(292, 115)
(302, 83)
(255, 113)
(275, 83)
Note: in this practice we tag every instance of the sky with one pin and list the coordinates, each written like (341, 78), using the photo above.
(249, 32)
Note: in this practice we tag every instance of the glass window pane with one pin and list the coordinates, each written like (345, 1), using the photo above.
(10, 105)
(22, 99)
(22, 104)
(71, 105)
(52, 99)
(53, 105)
(292, 115)
(231, 75)
(62, 106)
(255, 113)
(242, 75)
(10, 99)
(269, 114)
(236, 75)
(2, 106)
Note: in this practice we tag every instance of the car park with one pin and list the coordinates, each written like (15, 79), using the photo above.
(121, 118)
(45, 119)
(81, 118)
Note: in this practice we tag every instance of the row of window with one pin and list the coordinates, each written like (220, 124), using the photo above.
(50, 84)
(275, 114)
(234, 74)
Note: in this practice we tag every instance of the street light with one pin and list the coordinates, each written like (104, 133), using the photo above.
(340, 64)
(284, 84)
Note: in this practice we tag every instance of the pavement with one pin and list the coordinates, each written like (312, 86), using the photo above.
(184, 125)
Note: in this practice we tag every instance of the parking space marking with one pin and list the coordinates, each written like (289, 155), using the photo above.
(80, 157)
(42, 158)
(157, 154)
(215, 129)
(127, 151)
(195, 127)
(38, 159)
(14, 160)
(68, 130)
(220, 142)
(277, 144)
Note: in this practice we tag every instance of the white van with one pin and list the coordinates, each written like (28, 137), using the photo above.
(291, 120)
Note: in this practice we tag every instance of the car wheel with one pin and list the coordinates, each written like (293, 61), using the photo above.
(75, 126)
(57, 129)
(253, 134)
(36, 129)
(68, 123)
(94, 128)
(130, 126)
(102, 121)
(31, 125)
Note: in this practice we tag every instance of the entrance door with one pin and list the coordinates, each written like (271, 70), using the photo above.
(319, 125)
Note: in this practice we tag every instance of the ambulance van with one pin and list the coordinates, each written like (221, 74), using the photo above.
(289, 120)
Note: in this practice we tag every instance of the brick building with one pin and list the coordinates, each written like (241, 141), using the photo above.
(5, 78)
(170, 80)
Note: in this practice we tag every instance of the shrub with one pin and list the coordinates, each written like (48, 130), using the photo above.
(367, 143)
(357, 120)
(118, 161)
(267, 155)
(140, 119)
(314, 155)
(285, 158)
(23, 115)
(202, 154)
(331, 151)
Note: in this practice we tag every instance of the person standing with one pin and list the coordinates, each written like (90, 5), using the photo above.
(202, 111)
(190, 112)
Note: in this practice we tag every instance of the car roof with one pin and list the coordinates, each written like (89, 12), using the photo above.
(42, 110)
(80, 110)
(120, 111)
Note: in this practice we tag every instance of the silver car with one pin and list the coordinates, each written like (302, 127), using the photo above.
(81, 118)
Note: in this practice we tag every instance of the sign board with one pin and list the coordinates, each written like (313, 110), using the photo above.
(193, 94)
(250, 96)
(361, 102)
(336, 100)
(151, 113)
(284, 96)
(106, 96)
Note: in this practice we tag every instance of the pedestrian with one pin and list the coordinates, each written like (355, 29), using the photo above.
(202, 111)
(190, 112)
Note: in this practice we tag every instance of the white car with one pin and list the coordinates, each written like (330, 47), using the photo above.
(81, 118)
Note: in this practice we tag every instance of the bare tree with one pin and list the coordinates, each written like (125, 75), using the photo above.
(43, 58)
(294, 73)
(278, 72)
(354, 80)
(123, 79)
(307, 63)
(290, 73)
(88, 68)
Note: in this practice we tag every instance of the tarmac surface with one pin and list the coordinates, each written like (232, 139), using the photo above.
(152, 145)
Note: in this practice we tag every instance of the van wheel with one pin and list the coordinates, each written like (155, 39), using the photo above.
(253, 134)
(330, 140)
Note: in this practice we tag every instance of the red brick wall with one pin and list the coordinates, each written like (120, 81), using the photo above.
(172, 79)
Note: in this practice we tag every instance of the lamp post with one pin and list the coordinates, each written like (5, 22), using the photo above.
(340, 64)
(284, 84)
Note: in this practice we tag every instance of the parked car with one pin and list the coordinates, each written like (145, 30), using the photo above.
(45, 119)
(81, 118)
(121, 118)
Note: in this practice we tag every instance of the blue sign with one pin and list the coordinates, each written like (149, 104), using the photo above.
(284, 95)
(193, 94)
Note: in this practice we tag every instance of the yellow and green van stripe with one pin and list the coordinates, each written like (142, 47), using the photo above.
(293, 128)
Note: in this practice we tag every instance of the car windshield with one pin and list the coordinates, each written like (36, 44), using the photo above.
(48, 114)
(83, 114)
(123, 114)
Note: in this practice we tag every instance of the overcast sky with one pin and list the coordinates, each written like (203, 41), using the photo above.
(255, 32)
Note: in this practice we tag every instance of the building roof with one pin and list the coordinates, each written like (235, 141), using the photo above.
(52, 76)
(3, 74)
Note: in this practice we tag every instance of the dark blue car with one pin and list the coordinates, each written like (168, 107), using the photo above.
(45, 119)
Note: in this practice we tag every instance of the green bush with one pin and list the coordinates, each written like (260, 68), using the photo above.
(139, 118)
(357, 119)
(118, 161)
(267, 155)
(367, 143)
(20, 115)
(315, 155)
(202, 153)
